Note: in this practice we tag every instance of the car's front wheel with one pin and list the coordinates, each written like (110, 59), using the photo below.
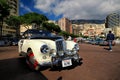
(30, 60)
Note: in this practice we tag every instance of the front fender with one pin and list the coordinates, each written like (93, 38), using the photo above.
(70, 44)
(40, 57)
(25, 44)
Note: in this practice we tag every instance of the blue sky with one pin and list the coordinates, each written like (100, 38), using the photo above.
(71, 9)
(27, 6)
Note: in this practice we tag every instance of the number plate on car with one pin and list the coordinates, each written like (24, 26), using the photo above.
(66, 63)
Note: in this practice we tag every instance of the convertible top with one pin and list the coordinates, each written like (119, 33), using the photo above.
(35, 31)
(40, 34)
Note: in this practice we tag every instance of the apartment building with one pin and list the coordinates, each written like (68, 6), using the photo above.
(113, 22)
(14, 11)
(116, 31)
(77, 29)
(23, 28)
(93, 29)
(89, 29)
(65, 25)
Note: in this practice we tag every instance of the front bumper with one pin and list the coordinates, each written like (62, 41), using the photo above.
(66, 61)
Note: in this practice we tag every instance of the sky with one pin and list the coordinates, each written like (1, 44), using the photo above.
(71, 9)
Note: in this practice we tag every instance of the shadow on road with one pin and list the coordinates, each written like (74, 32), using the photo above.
(60, 78)
(106, 48)
(17, 69)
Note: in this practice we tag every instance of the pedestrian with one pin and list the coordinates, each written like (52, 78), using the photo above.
(110, 38)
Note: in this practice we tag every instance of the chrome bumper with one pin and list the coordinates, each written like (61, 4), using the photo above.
(58, 61)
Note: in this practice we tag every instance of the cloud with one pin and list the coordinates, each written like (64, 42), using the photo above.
(44, 5)
(25, 7)
(78, 9)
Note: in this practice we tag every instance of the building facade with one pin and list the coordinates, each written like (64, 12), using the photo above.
(89, 29)
(113, 22)
(92, 30)
(14, 11)
(14, 4)
(23, 28)
(65, 25)
(77, 29)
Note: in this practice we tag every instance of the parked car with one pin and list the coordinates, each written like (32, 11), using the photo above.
(97, 41)
(105, 43)
(93, 42)
(117, 41)
(14, 41)
(6, 41)
(2, 43)
(41, 48)
(88, 41)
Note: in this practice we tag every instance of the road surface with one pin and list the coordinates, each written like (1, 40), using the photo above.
(98, 64)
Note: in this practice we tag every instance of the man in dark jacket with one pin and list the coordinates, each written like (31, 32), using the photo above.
(110, 38)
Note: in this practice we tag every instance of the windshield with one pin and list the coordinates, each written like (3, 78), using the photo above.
(37, 33)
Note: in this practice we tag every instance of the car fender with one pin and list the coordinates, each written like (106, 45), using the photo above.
(70, 44)
(40, 57)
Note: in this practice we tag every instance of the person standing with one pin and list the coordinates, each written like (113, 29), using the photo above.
(110, 39)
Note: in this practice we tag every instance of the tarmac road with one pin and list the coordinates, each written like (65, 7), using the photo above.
(98, 64)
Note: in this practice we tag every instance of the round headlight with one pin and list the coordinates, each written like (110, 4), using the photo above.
(44, 49)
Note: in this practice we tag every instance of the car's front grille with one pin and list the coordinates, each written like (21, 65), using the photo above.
(60, 45)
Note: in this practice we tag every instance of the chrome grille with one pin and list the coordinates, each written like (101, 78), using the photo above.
(60, 45)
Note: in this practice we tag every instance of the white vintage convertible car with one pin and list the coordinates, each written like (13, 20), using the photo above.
(42, 48)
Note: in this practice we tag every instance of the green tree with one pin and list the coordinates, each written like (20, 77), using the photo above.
(51, 27)
(65, 34)
(35, 18)
(4, 12)
(57, 28)
(25, 20)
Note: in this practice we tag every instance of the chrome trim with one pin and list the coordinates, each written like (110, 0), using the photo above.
(60, 45)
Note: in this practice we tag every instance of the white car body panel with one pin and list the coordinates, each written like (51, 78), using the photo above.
(70, 44)
(35, 45)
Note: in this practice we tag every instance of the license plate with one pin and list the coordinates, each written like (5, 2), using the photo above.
(66, 63)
